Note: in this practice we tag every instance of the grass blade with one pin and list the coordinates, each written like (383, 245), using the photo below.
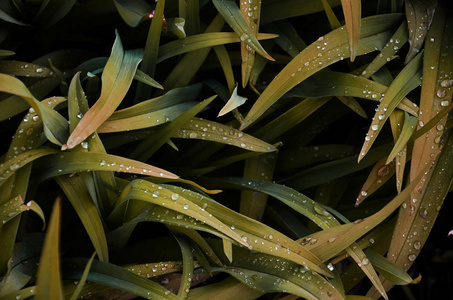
(352, 10)
(48, 281)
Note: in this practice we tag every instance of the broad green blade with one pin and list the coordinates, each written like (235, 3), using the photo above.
(343, 84)
(48, 278)
(188, 264)
(352, 10)
(387, 269)
(17, 206)
(419, 17)
(333, 48)
(229, 288)
(410, 123)
(82, 281)
(190, 10)
(151, 51)
(117, 277)
(24, 69)
(54, 11)
(60, 164)
(200, 41)
(153, 142)
(55, 126)
(407, 80)
(202, 129)
(233, 16)
(78, 195)
(10, 167)
(133, 12)
(116, 79)
(250, 11)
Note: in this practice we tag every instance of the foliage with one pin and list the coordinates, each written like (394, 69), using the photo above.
(136, 142)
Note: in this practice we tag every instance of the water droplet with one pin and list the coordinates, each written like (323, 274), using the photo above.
(186, 206)
(102, 163)
(84, 145)
(383, 171)
(243, 145)
(80, 115)
(14, 167)
(39, 70)
(441, 93)
(440, 127)
(381, 117)
(365, 261)
(330, 266)
(179, 217)
(363, 193)
(374, 127)
(446, 83)
(155, 194)
(417, 245)
(244, 37)
(232, 227)
(167, 292)
(371, 240)
(192, 135)
(445, 103)
(412, 257)
(174, 196)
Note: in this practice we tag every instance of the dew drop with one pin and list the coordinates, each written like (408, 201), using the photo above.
(39, 70)
(174, 196)
(412, 257)
(446, 83)
(445, 103)
(375, 127)
(363, 193)
(330, 266)
(417, 245)
(14, 167)
(381, 117)
(441, 93)
(102, 163)
(192, 135)
(365, 261)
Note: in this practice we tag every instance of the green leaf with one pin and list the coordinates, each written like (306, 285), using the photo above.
(234, 102)
(48, 278)
(17, 206)
(6, 53)
(117, 277)
(82, 281)
(233, 16)
(146, 79)
(55, 126)
(352, 10)
(78, 195)
(311, 59)
(228, 288)
(410, 123)
(387, 269)
(407, 80)
(202, 129)
(70, 162)
(133, 12)
(116, 79)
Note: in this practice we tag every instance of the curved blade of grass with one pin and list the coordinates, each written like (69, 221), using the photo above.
(55, 126)
(146, 79)
(333, 20)
(407, 80)
(250, 11)
(288, 271)
(265, 283)
(152, 143)
(387, 269)
(380, 174)
(4, 53)
(253, 231)
(189, 65)
(9, 168)
(48, 278)
(333, 48)
(151, 51)
(346, 234)
(54, 11)
(17, 206)
(20, 68)
(133, 12)
(60, 164)
(188, 264)
(352, 10)
(202, 129)
(200, 41)
(78, 195)
(424, 203)
(147, 191)
(261, 167)
(115, 276)
(234, 102)
(116, 79)
(7, 18)
(314, 212)
(149, 270)
(409, 126)
(228, 288)
(225, 62)
(398, 39)
(396, 118)
(419, 17)
(118, 123)
(75, 295)
(343, 84)
(233, 16)
(334, 169)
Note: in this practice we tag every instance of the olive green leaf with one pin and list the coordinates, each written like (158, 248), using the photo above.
(352, 10)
